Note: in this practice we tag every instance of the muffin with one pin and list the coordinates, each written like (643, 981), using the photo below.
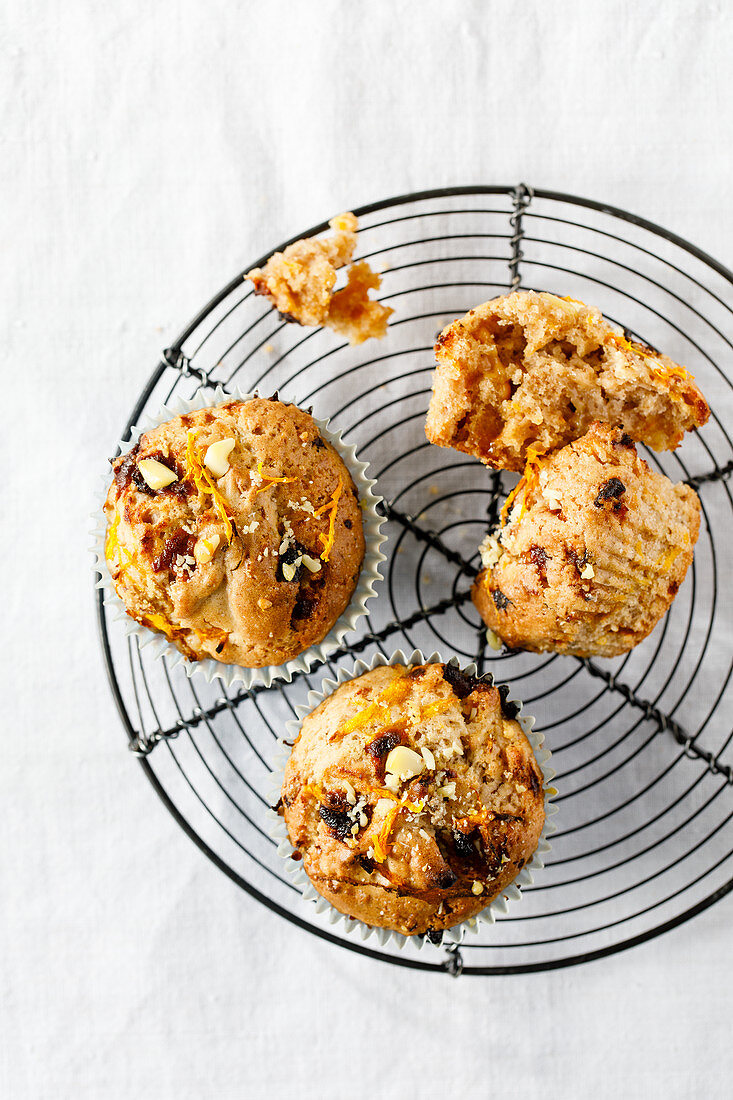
(300, 284)
(236, 532)
(593, 548)
(530, 372)
(413, 797)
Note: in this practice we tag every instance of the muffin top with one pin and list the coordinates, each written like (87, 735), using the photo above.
(236, 532)
(592, 551)
(413, 796)
(529, 372)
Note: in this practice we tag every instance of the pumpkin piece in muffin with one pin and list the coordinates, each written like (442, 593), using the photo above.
(236, 532)
(592, 550)
(530, 372)
(413, 797)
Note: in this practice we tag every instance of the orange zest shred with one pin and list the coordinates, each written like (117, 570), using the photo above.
(479, 818)
(435, 708)
(528, 482)
(381, 842)
(158, 622)
(660, 372)
(113, 545)
(270, 480)
(397, 690)
(332, 507)
(204, 483)
(362, 717)
(314, 789)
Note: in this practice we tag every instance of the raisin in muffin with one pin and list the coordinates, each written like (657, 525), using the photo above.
(593, 548)
(300, 284)
(529, 372)
(236, 532)
(413, 796)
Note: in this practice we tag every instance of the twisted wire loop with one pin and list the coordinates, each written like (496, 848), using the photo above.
(521, 197)
(144, 743)
(174, 358)
(453, 962)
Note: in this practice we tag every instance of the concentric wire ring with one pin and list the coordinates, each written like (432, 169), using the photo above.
(642, 744)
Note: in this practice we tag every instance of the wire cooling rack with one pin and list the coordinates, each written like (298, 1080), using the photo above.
(642, 743)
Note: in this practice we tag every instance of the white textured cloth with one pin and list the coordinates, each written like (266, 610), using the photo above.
(150, 151)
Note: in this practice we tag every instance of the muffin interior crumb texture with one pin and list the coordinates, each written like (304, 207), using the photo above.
(249, 544)
(413, 797)
(592, 549)
(300, 284)
(529, 372)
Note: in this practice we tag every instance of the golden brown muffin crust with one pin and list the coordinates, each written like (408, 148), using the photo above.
(594, 548)
(250, 568)
(428, 851)
(529, 372)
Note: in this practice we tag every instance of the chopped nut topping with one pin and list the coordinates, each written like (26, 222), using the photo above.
(490, 551)
(217, 454)
(403, 763)
(205, 548)
(156, 474)
(428, 758)
(588, 573)
(264, 604)
(477, 888)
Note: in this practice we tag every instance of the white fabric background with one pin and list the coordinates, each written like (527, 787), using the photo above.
(147, 153)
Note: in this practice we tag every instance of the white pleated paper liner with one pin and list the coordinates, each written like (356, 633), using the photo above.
(159, 646)
(278, 829)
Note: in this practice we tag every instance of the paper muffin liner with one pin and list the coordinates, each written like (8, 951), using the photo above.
(159, 646)
(278, 829)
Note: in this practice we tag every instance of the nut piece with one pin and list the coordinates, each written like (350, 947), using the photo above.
(312, 564)
(289, 570)
(404, 763)
(155, 473)
(205, 548)
(477, 887)
(428, 758)
(216, 458)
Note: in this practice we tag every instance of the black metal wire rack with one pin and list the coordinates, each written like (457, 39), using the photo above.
(641, 744)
